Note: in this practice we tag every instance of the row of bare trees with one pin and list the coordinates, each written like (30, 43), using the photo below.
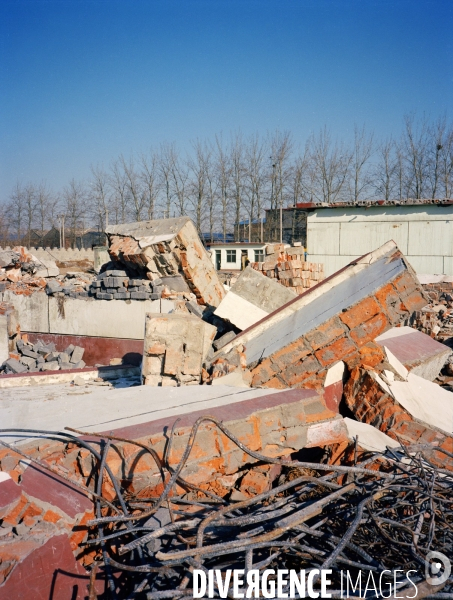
(221, 182)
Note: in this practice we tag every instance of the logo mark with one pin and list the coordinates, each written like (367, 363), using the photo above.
(437, 568)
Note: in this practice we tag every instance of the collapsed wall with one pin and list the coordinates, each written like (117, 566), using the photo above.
(168, 250)
(338, 319)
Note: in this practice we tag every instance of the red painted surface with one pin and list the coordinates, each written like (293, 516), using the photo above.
(98, 350)
(9, 491)
(50, 572)
(55, 490)
(332, 396)
(238, 410)
(413, 347)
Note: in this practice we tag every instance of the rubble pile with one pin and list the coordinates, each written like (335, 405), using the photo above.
(288, 266)
(167, 251)
(23, 272)
(385, 512)
(41, 357)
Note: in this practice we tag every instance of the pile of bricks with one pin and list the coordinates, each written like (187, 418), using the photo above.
(288, 266)
(42, 357)
(110, 285)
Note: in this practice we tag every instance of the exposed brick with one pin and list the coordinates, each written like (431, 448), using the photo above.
(391, 303)
(361, 312)
(339, 350)
(369, 330)
(414, 302)
(325, 333)
(254, 483)
(297, 373)
(405, 284)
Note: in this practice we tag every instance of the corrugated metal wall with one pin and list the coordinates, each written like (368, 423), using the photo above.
(335, 236)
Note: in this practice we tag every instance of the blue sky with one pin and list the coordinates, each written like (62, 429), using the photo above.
(83, 81)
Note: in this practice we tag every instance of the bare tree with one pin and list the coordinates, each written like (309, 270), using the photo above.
(198, 165)
(134, 188)
(75, 208)
(30, 207)
(237, 175)
(46, 207)
(415, 145)
(99, 196)
(149, 177)
(118, 183)
(254, 178)
(385, 173)
(16, 211)
(361, 180)
(330, 162)
(223, 177)
(446, 160)
(167, 157)
(179, 173)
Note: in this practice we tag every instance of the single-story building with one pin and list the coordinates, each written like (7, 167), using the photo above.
(231, 256)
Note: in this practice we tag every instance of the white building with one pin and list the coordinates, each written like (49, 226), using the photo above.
(231, 256)
(422, 229)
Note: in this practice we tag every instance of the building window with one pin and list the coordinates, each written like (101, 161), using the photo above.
(259, 255)
(231, 256)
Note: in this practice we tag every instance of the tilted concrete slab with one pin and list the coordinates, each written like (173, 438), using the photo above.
(368, 437)
(166, 248)
(418, 352)
(252, 297)
(336, 320)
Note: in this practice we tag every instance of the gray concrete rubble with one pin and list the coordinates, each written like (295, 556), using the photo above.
(173, 351)
(252, 297)
(168, 249)
(29, 357)
(419, 353)
(19, 263)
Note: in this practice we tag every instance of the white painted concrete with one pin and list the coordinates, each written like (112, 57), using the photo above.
(424, 234)
(239, 311)
(335, 373)
(103, 409)
(103, 318)
(425, 401)
(32, 310)
(369, 438)
(4, 350)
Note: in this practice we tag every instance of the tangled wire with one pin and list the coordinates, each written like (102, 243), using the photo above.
(387, 512)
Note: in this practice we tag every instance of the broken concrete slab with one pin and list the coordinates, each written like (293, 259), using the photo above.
(368, 437)
(415, 411)
(252, 297)
(418, 352)
(338, 319)
(167, 248)
(173, 350)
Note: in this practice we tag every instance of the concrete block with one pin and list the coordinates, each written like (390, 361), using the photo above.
(63, 357)
(15, 366)
(139, 296)
(252, 298)
(51, 366)
(70, 349)
(173, 349)
(121, 295)
(194, 308)
(222, 341)
(28, 362)
(27, 351)
(116, 273)
(104, 296)
(53, 286)
(77, 354)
